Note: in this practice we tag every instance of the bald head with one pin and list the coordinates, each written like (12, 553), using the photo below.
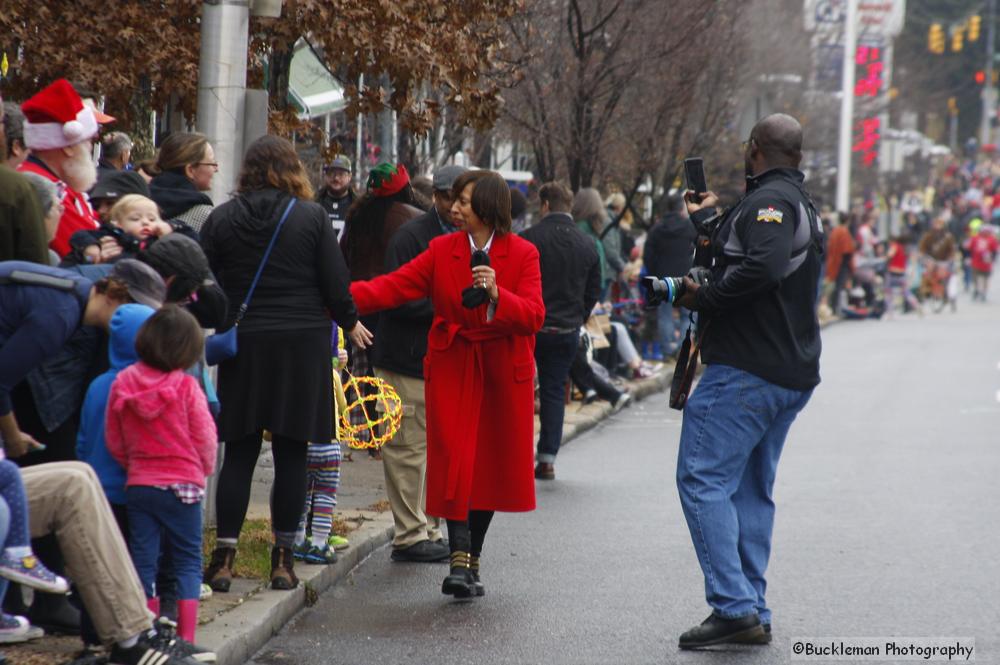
(778, 138)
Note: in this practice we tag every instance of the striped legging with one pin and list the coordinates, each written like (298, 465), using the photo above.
(322, 478)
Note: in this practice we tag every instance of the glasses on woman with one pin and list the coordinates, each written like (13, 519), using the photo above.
(214, 165)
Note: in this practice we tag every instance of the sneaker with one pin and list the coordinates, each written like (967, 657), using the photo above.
(300, 550)
(622, 402)
(15, 629)
(320, 555)
(422, 552)
(338, 542)
(31, 572)
(204, 592)
(166, 638)
(148, 649)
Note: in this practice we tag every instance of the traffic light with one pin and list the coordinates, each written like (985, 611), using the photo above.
(935, 39)
(957, 39)
(953, 106)
(975, 22)
(980, 77)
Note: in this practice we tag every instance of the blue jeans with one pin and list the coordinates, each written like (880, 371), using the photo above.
(667, 327)
(734, 428)
(554, 353)
(152, 512)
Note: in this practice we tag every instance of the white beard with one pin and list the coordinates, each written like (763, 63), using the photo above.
(80, 172)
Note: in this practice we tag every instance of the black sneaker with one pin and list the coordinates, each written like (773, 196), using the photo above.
(147, 651)
(423, 552)
(166, 636)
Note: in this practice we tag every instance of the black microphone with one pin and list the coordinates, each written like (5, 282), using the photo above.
(479, 258)
(474, 296)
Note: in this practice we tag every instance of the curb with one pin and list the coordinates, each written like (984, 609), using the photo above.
(238, 634)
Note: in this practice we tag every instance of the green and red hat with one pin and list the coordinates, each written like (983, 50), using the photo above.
(386, 179)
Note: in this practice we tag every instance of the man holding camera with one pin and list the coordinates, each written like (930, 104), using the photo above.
(759, 338)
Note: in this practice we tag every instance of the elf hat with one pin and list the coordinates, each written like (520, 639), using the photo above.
(57, 118)
(387, 179)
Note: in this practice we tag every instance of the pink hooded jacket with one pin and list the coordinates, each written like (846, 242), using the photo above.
(159, 427)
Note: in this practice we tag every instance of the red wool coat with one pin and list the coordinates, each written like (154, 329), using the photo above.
(478, 374)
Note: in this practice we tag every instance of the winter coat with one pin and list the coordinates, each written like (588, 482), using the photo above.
(477, 373)
(305, 279)
(159, 427)
(90, 445)
(180, 200)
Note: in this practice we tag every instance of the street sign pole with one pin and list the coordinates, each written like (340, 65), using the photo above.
(989, 92)
(847, 108)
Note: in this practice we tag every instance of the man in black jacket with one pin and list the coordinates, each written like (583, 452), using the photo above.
(668, 252)
(761, 347)
(399, 360)
(571, 285)
(336, 195)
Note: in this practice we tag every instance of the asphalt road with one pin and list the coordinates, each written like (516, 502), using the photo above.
(888, 525)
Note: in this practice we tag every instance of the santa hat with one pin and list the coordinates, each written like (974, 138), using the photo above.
(56, 117)
(387, 179)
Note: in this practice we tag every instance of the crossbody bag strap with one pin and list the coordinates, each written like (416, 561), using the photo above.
(267, 253)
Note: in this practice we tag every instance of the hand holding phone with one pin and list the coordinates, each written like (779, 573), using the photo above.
(694, 174)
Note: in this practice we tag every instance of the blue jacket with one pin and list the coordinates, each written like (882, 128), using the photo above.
(35, 320)
(90, 446)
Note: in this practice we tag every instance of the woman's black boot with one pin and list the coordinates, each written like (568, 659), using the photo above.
(459, 582)
(477, 584)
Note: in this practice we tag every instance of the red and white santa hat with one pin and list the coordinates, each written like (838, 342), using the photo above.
(56, 117)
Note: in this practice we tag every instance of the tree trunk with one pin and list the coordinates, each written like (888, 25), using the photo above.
(278, 71)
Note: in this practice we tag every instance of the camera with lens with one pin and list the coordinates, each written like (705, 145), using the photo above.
(658, 290)
(128, 242)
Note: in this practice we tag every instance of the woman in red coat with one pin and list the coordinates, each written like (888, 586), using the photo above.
(478, 369)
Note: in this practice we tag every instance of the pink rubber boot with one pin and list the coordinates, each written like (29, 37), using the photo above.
(187, 619)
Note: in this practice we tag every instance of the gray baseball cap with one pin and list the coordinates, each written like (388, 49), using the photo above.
(342, 162)
(445, 176)
(144, 284)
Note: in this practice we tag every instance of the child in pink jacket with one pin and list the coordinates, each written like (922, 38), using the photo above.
(160, 429)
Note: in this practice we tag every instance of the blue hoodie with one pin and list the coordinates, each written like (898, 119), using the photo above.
(90, 445)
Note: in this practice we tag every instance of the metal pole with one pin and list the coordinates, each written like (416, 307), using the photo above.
(989, 92)
(847, 108)
(358, 162)
(222, 81)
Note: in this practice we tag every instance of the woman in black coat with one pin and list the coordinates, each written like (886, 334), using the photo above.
(280, 379)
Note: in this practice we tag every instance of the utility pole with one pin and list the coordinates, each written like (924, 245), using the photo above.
(989, 92)
(847, 108)
(222, 82)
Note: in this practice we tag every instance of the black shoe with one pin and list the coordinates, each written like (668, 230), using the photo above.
(716, 630)
(477, 585)
(423, 552)
(545, 471)
(459, 582)
(166, 637)
(54, 614)
(763, 638)
(145, 652)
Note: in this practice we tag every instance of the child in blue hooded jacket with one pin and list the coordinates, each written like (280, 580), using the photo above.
(90, 444)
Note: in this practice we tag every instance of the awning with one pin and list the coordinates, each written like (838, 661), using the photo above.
(311, 86)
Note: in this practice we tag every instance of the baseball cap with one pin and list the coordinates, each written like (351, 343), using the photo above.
(144, 284)
(341, 162)
(445, 176)
(116, 184)
(182, 258)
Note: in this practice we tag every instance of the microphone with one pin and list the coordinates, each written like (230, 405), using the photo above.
(474, 296)
(479, 258)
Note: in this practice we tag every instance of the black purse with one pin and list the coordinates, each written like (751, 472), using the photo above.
(223, 346)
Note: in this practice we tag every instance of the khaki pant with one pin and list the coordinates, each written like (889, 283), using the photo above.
(66, 499)
(404, 459)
